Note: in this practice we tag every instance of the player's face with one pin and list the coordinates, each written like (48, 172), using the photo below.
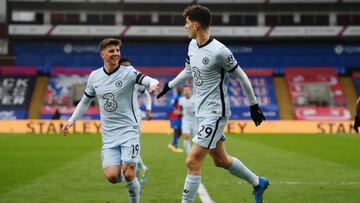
(187, 92)
(111, 55)
(191, 27)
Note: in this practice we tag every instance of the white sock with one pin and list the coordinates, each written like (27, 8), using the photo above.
(238, 169)
(141, 164)
(134, 191)
(190, 188)
(187, 146)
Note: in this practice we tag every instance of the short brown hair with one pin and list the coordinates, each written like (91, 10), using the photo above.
(198, 13)
(109, 41)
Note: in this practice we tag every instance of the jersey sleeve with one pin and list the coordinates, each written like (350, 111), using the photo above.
(227, 60)
(140, 88)
(187, 65)
(181, 101)
(89, 89)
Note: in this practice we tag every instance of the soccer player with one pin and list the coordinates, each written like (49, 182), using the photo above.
(209, 62)
(113, 86)
(357, 118)
(175, 120)
(141, 169)
(188, 121)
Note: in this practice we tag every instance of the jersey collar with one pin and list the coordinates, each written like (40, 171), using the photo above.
(117, 68)
(206, 43)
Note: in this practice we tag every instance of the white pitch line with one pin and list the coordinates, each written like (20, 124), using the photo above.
(291, 182)
(204, 195)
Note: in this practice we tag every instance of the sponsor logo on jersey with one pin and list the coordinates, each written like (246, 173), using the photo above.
(198, 80)
(230, 59)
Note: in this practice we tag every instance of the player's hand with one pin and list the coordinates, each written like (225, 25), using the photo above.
(356, 123)
(256, 114)
(148, 115)
(66, 127)
(154, 88)
(164, 90)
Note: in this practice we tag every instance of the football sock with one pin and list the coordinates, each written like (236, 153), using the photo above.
(187, 146)
(175, 140)
(141, 164)
(190, 188)
(238, 169)
(134, 191)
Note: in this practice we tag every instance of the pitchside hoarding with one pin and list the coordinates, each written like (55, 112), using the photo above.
(44, 127)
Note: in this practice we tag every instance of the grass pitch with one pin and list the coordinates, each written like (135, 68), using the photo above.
(301, 168)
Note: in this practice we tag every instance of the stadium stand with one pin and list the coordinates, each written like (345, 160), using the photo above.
(356, 79)
(65, 89)
(316, 94)
(16, 87)
(154, 37)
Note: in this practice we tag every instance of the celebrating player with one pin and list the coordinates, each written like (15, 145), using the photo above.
(209, 62)
(113, 86)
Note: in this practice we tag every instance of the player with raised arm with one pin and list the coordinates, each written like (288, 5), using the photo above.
(141, 170)
(188, 121)
(113, 86)
(209, 62)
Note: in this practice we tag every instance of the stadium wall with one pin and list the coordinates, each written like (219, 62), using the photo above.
(43, 127)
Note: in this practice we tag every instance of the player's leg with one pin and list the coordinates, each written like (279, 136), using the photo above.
(238, 169)
(142, 171)
(203, 140)
(130, 157)
(111, 161)
(186, 130)
(232, 164)
(192, 181)
(176, 125)
(187, 144)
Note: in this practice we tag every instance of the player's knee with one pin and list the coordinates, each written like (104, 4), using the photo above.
(192, 164)
(129, 175)
(220, 163)
(112, 178)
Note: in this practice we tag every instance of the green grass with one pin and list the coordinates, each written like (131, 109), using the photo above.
(301, 168)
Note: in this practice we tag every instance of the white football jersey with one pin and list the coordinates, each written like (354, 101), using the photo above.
(114, 92)
(209, 65)
(188, 109)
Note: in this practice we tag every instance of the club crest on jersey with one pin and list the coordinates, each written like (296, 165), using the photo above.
(118, 83)
(205, 60)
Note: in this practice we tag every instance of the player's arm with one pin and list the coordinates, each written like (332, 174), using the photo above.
(230, 64)
(256, 114)
(147, 81)
(357, 114)
(79, 111)
(82, 106)
(184, 75)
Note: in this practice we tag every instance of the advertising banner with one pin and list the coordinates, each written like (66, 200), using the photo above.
(43, 127)
(16, 91)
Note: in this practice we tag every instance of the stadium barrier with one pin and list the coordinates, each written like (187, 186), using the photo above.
(162, 126)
